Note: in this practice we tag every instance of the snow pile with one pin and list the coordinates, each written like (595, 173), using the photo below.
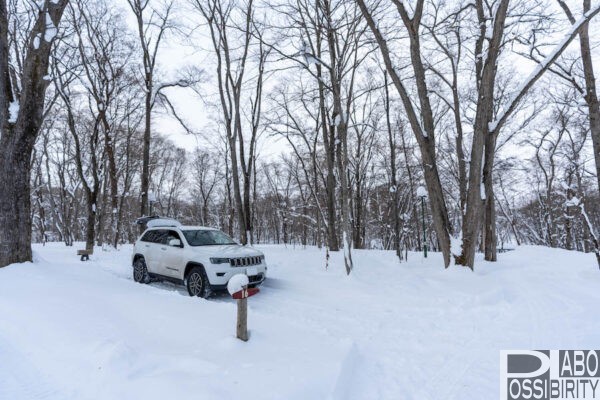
(73, 330)
(237, 283)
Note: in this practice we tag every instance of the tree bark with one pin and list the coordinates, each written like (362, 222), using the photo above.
(328, 144)
(18, 135)
(340, 123)
(15, 206)
(483, 117)
(393, 180)
(490, 235)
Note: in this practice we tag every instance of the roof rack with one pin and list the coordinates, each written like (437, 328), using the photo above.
(156, 221)
(170, 222)
(144, 220)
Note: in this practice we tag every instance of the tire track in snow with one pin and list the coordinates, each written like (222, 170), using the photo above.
(534, 332)
(22, 380)
(443, 383)
(481, 308)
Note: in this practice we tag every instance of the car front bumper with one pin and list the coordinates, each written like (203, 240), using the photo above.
(219, 277)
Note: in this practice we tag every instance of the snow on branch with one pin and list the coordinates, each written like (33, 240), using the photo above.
(540, 69)
(50, 29)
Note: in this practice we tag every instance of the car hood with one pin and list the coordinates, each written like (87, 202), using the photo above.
(230, 251)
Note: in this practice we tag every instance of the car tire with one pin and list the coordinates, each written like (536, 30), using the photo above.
(140, 271)
(196, 283)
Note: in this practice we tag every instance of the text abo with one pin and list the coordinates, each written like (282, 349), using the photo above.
(549, 374)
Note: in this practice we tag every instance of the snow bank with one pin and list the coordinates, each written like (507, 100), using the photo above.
(73, 330)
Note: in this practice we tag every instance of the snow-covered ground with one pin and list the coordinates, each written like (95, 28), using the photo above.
(73, 330)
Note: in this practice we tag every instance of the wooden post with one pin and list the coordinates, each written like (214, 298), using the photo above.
(242, 304)
(242, 318)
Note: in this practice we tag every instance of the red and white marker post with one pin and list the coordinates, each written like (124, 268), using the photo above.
(238, 288)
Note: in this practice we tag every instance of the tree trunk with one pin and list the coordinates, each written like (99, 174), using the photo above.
(591, 96)
(19, 134)
(485, 109)
(113, 179)
(393, 201)
(460, 153)
(303, 238)
(357, 217)
(230, 206)
(328, 142)
(237, 196)
(340, 143)
(90, 231)
(126, 186)
(15, 204)
(145, 178)
(342, 153)
(568, 219)
(490, 236)
(247, 208)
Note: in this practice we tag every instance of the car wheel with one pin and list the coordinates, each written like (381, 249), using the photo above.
(140, 272)
(197, 283)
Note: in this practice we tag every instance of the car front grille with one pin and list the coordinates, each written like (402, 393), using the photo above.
(245, 261)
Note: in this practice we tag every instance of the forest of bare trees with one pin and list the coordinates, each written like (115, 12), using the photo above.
(321, 119)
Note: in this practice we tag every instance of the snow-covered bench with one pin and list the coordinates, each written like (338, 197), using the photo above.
(85, 254)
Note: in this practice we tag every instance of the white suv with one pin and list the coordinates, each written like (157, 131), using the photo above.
(203, 259)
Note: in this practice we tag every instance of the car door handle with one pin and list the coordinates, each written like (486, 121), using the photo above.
(163, 248)
(147, 245)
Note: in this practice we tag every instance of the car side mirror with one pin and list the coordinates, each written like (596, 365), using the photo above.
(175, 243)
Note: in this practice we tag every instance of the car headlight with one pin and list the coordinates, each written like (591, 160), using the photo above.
(219, 260)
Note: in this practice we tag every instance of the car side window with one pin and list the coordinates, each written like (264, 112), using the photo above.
(173, 235)
(161, 236)
(148, 237)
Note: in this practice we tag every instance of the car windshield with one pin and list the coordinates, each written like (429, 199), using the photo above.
(207, 238)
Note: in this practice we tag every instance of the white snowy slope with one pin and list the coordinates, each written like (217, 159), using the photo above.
(85, 330)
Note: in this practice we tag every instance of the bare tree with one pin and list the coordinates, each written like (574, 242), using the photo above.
(487, 123)
(232, 30)
(493, 128)
(104, 56)
(206, 171)
(152, 24)
(423, 126)
(22, 98)
(590, 94)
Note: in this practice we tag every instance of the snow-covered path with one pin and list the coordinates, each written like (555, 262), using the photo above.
(72, 330)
